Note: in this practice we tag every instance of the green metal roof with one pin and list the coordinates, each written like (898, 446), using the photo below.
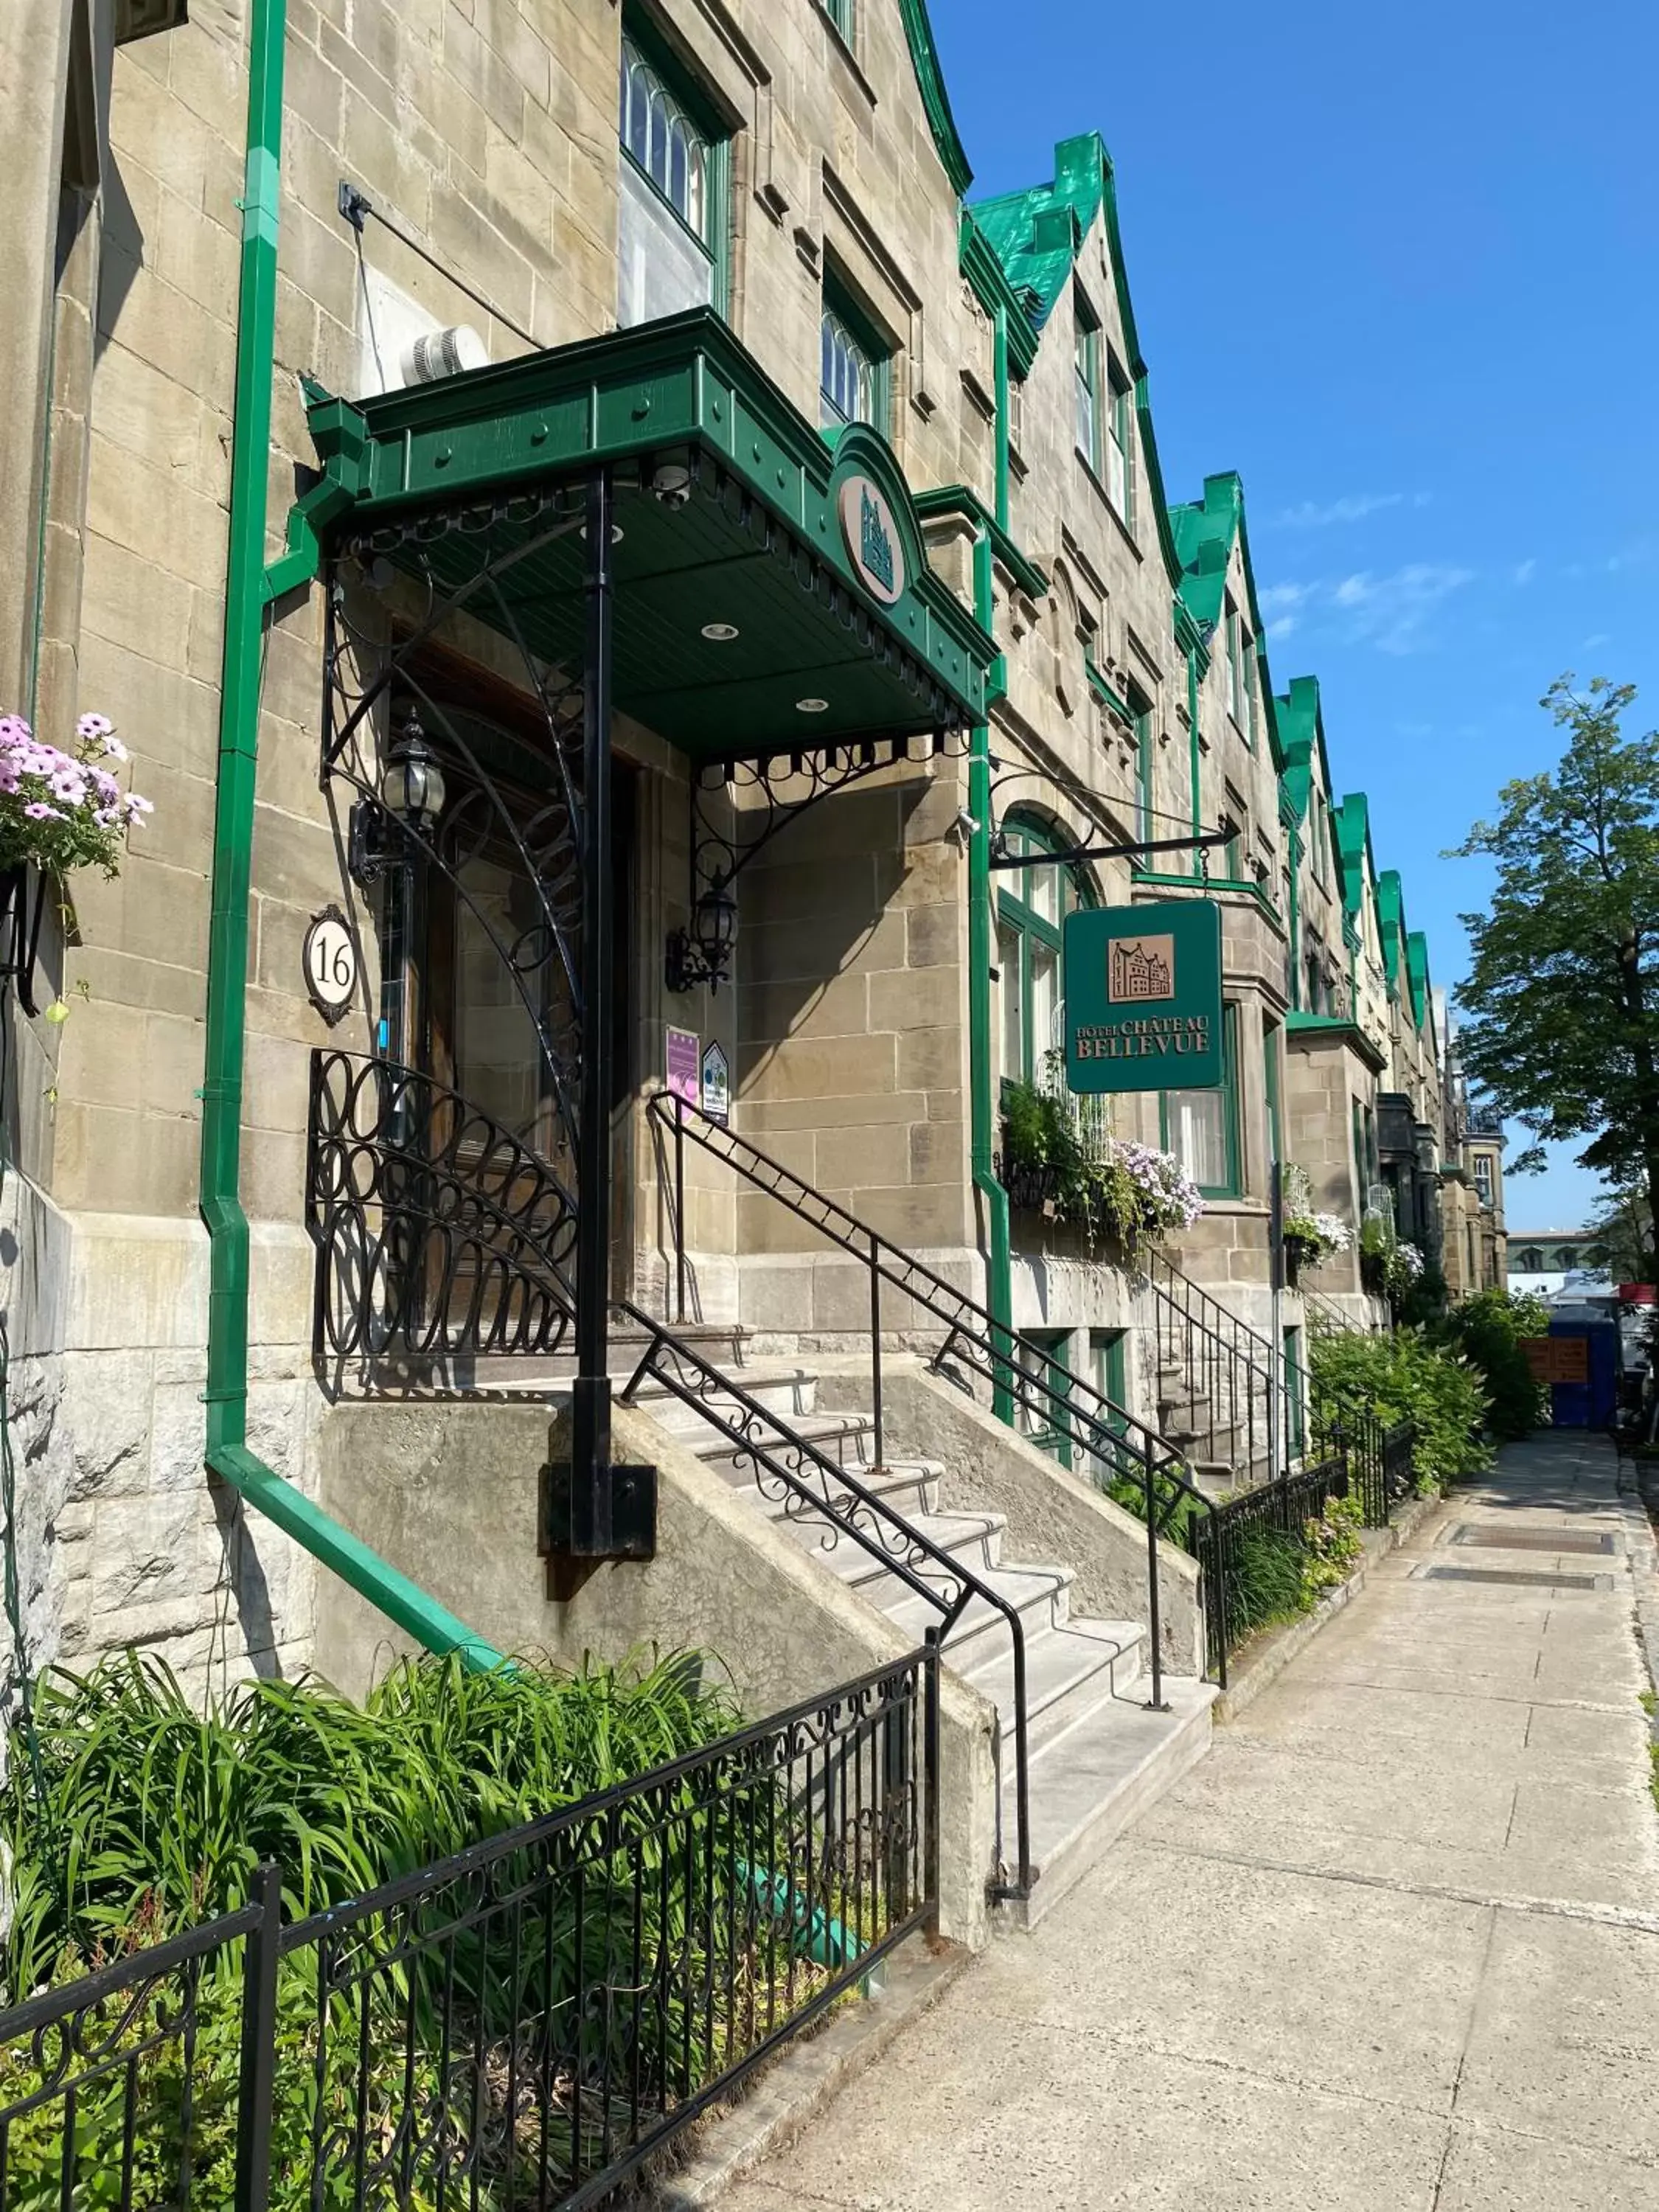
(1302, 736)
(1036, 236)
(1204, 531)
(1353, 848)
(760, 541)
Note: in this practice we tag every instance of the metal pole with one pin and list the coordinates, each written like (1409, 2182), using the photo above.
(679, 1206)
(590, 1511)
(875, 1350)
(930, 1742)
(256, 2085)
(1156, 1703)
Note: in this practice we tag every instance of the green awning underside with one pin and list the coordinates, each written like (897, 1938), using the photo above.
(477, 482)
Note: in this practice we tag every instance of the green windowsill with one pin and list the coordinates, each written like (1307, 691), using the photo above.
(1300, 1024)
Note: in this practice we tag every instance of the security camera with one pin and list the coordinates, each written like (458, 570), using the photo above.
(965, 826)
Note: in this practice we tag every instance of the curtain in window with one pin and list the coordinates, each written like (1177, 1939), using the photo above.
(1197, 1135)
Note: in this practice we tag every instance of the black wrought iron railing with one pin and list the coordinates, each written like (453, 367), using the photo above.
(1236, 1403)
(1124, 1456)
(440, 1236)
(1282, 1508)
(807, 1482)
(520, 2027)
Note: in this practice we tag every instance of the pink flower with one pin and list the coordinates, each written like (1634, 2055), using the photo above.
(113, 749)
(14, 730)
(94, 726)
(38, 811)
(104, 785)
(69, 783)
(137, 807)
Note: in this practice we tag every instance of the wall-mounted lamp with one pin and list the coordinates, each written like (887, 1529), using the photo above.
(412, 794)
(702, 953)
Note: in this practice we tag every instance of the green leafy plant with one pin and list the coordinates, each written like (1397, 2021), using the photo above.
(1332, 1546)
(1265, 1583)
(1488, 1329)
(1399, 1378)
(1115, 1191)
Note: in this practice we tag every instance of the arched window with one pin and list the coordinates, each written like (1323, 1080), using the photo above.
(671, 212)
(1032, 904)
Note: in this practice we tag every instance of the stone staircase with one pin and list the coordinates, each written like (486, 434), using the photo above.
(1097, 1756)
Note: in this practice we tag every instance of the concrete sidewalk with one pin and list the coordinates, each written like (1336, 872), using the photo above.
(1394, 1944)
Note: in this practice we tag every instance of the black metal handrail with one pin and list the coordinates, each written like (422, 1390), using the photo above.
(809, 1481)
(1240, 1394)
(439, 1234)
(522, 2024)
(1139, 1467)
(1282, 1507)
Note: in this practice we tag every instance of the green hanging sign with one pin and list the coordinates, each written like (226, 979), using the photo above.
(1143, 996)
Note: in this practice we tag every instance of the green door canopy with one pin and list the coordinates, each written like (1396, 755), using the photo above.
(733, 512)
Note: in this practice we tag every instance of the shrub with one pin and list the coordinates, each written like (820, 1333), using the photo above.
(1488, 1330)
(1405, 1377)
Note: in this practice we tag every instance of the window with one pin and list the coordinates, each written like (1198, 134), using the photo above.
(1296, 1388)
(671, 198)
(1236, 705)
(1270, 1037)
(840, 12)
(1032, 904)
(853, 370)
(1140, 714)
(1481, 1165)
(1200, 1127)
(1119, 450)
(1088, 385)
(1252, 694)
(1109, 1371)
(1042, 1354)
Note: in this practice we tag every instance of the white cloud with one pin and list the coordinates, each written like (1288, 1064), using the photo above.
(1391, 611)
(1352, 507)
(1523, 572)
(1595, 638)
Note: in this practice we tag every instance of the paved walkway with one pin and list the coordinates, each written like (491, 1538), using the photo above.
(1394, 1944)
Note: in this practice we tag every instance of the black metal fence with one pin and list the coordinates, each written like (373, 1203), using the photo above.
(518, 2028)
(1221, 1541)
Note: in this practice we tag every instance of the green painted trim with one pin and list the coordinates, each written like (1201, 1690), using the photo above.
(958, 499)
(682, 381)
(1336, 1026)
(936, 101)
(1417, 975)
(1295, 853)
(838, 298)
(999, 1289)
(1240, 884)
(1104, 690)
(226, 1451)
(989, 283)
(1205, 533)
(1194, 749)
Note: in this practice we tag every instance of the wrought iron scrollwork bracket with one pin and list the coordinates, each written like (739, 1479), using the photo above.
(739, 806)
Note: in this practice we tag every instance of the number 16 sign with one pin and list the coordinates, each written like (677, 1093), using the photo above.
(331, 964)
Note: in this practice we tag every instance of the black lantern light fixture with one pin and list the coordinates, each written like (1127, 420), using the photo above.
(703, 952)
(412, 795)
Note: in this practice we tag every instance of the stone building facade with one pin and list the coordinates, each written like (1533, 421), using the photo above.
(546, 176)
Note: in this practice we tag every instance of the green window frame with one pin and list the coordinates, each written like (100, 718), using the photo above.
(671, 139)
(1236, 705)
(1271, 1035)
(1295, 1402)
(840, 12)
(1087, 381)
(1043, 1355)
(1140, 716)
(854, 366)
(1109, 1370)
(1201, 1127)
(1252, 695)
(1120, 454)
(1032, 904)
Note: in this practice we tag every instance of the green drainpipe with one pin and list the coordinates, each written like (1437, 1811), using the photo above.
(247, 595)
(999, 1286)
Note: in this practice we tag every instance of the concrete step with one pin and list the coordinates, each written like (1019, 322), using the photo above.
(1105, 1654)
(789, 1392)
(847, 1439)
(723, 1344)
(975, 1539)
(1096, 1772)
(1040, 1594)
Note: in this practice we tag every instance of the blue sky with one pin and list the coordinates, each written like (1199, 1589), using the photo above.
(1401, 271)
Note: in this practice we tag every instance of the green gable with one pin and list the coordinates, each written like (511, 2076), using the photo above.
(1205, 532)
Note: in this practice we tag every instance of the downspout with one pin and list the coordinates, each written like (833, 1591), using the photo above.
(1194, 757)
(247, 596)
(999, 1295)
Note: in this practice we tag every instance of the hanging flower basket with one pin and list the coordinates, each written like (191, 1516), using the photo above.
(1119, 1196)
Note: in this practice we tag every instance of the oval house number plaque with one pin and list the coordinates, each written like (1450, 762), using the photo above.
(331, 964)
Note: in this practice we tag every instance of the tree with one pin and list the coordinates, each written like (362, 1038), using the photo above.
(1561, 1005)
(1622, 1230)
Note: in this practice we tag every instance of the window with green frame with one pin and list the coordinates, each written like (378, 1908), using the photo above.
(673, 199)
(1201, 1127)
(1236, 705)
(840, 12)
(1086, 380)
(1043, 1355)
(1032, 904)
(1271, 1035)
(1140, 717)
(1119, 445)
(855, 372)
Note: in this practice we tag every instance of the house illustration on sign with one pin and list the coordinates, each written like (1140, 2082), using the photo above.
(1141, 967)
